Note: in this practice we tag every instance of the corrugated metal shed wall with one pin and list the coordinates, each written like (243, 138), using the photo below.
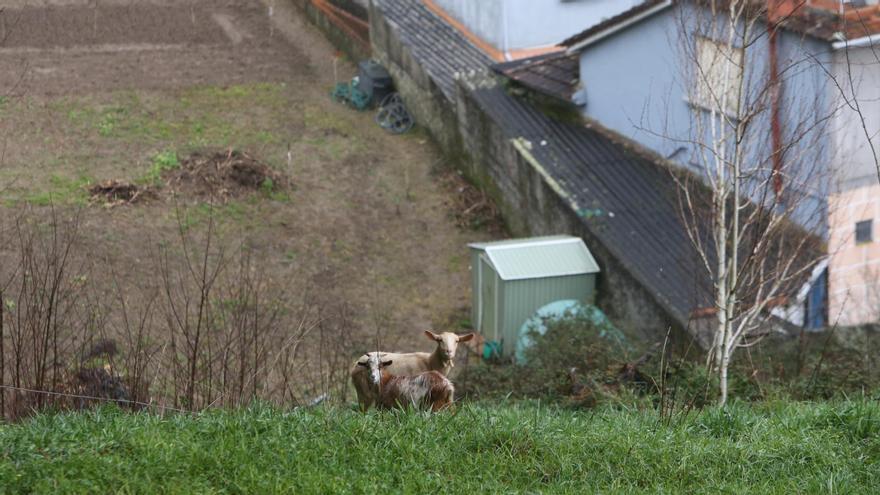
(508, 286)
(486, 297)
(475, 287)
(521, 298)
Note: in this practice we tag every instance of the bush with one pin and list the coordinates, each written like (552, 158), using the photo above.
(576, 362)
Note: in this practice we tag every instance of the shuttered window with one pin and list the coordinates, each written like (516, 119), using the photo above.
(718, 75)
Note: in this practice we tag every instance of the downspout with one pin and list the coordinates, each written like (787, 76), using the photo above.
(775, 98)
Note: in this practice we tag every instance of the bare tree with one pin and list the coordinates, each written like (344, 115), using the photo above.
(758, 157)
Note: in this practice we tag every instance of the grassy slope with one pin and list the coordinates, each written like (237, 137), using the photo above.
(782, 448)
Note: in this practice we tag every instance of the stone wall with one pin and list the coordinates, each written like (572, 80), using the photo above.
(353, 48)
(423, 98)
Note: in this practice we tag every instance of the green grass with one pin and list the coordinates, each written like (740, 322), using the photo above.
(775, 448)
(62, 191)
(197, 117)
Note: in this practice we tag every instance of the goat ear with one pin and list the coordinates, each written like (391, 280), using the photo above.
(465, 337)
(386, 363)
(431, 335)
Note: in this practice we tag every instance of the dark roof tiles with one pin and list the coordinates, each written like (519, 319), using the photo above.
(555, 74)
(440, 49)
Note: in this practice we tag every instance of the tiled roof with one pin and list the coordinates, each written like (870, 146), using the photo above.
(816, 18)
(439, 48)
(825, 23)
(554, 74)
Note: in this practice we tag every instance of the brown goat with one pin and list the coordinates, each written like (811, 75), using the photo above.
(409, 364)
(427, 390)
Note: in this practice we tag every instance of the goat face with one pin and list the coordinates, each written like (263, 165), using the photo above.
(447, 343)
(375, 365)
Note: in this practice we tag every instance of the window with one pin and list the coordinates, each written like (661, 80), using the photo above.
(718, 75)
(864, 232)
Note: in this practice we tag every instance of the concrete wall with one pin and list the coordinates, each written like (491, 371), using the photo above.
(422, 96)
(854, 269)
(518, 24)
(639, 83)
(484, 18)
(354, 49)
(858, 71)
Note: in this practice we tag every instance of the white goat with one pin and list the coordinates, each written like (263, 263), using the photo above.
(409, 364)
(426, 390)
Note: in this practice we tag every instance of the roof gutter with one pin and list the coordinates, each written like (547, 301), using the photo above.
(871, 40)
(618, 27)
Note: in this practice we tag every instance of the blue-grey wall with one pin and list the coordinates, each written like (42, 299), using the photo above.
(631, 83)
(517, 24)
(636, 81)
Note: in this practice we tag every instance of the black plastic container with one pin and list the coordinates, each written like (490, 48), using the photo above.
(374, 80)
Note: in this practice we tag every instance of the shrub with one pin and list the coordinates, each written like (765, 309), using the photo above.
(576, 362)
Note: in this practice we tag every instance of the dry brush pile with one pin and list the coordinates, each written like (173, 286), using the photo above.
(218, 175)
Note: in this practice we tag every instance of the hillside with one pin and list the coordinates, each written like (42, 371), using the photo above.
(775, 448)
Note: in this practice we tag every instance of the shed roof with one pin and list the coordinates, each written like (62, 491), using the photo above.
(539, 257)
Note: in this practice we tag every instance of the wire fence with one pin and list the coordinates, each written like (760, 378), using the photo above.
(95, 398)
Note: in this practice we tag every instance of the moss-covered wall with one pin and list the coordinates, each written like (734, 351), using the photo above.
(340, 39)
(423, 98)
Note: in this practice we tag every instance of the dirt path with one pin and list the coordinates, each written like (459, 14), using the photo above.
(98, 92)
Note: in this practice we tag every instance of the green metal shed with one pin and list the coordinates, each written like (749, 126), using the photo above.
(512, 279)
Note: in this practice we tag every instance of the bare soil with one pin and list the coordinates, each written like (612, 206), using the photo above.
(92, 92)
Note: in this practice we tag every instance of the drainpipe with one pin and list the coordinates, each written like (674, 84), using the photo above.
(775, 12)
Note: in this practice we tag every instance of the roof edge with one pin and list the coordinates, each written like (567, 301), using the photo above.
(625, 20)
(556, 275)
(525, 241)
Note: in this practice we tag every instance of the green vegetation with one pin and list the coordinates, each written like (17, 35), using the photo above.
(610, 370)
(198, 117)
(163, 161)
(62, 191)
(774, 448)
